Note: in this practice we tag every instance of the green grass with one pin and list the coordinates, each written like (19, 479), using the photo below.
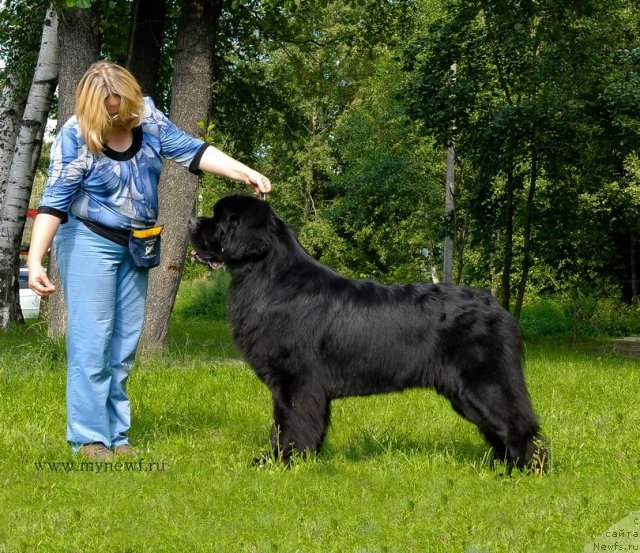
(398, 473)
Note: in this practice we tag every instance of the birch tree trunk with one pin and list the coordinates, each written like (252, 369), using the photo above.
(11, 110)
(79, 46)
(450, 193)
(190, 103)
(25, 158)
(450, 214)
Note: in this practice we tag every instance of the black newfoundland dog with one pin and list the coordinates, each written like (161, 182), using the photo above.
(313, 335)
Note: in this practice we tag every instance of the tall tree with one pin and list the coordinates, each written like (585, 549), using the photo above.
(28, 144)
(528, 99)
(12, 105)
(79, 46)
(145, 42)
(449, 201)
(190, 104)
(20, 36)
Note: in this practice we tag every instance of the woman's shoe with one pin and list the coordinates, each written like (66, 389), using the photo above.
(95, 451)
(126, 449)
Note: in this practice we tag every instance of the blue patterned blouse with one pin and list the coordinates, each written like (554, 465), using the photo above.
(118, 190)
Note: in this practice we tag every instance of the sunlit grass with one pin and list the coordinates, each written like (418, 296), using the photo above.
(398, 472)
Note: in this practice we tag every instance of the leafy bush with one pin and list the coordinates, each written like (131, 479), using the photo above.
(545, 317)
(207, 298)
(586, 316)
(607, 317)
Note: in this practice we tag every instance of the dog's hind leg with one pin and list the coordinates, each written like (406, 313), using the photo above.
(300, 423)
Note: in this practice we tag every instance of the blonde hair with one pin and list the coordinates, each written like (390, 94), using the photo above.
(101, 80)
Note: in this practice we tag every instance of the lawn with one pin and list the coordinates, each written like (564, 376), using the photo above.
(398, 473)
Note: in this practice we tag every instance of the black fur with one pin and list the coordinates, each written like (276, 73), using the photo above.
(313, 335)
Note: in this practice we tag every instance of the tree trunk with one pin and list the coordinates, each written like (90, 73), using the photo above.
(145, 42)
(449, 200)
(17, 316)
(25, 158)
(634, 265)
(11, 110)
(308, 175)
(190, 103)
(79, 48)
(450, 214)
(508, 240)
(526, 261)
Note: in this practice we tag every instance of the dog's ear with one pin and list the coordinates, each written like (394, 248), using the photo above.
(248, 234)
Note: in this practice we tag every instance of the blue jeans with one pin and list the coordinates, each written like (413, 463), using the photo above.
(105, 297)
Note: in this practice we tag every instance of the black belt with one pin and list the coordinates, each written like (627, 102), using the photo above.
(119, 236)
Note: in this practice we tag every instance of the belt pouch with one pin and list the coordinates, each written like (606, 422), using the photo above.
(144, 247)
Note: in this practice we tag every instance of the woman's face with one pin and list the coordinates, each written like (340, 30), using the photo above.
(112, 103)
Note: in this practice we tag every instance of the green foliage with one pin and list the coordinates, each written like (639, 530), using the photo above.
(192, 270)
(388, 204)
(20, 34)
(112, 22)
(294, 81)
(77, 3)
(545, 91)
(206, 297)
(545, 317)
(314, 95)
(602, 317)
(592, 314)
(320, 239)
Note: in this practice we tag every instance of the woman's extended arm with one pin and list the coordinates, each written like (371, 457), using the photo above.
(217, 162)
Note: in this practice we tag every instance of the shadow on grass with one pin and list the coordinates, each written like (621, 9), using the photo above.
(369, 446)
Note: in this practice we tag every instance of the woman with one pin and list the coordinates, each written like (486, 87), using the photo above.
(100, 198)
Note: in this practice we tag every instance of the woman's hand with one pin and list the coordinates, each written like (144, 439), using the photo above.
(44, 228)
(39, 281)
(261, 184)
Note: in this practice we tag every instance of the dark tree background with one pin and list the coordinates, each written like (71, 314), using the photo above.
(348, 108)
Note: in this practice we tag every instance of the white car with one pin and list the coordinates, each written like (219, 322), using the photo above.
(29, 300)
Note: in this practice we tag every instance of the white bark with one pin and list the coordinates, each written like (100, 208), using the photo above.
(25, 157)
(450, 198)
(11, 108)
(449, 210)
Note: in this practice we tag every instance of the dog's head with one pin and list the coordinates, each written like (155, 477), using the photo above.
(240, 230)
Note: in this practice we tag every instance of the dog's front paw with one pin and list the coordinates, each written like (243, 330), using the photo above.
(268, 458)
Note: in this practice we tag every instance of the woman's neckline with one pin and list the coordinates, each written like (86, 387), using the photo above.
(131, 151)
